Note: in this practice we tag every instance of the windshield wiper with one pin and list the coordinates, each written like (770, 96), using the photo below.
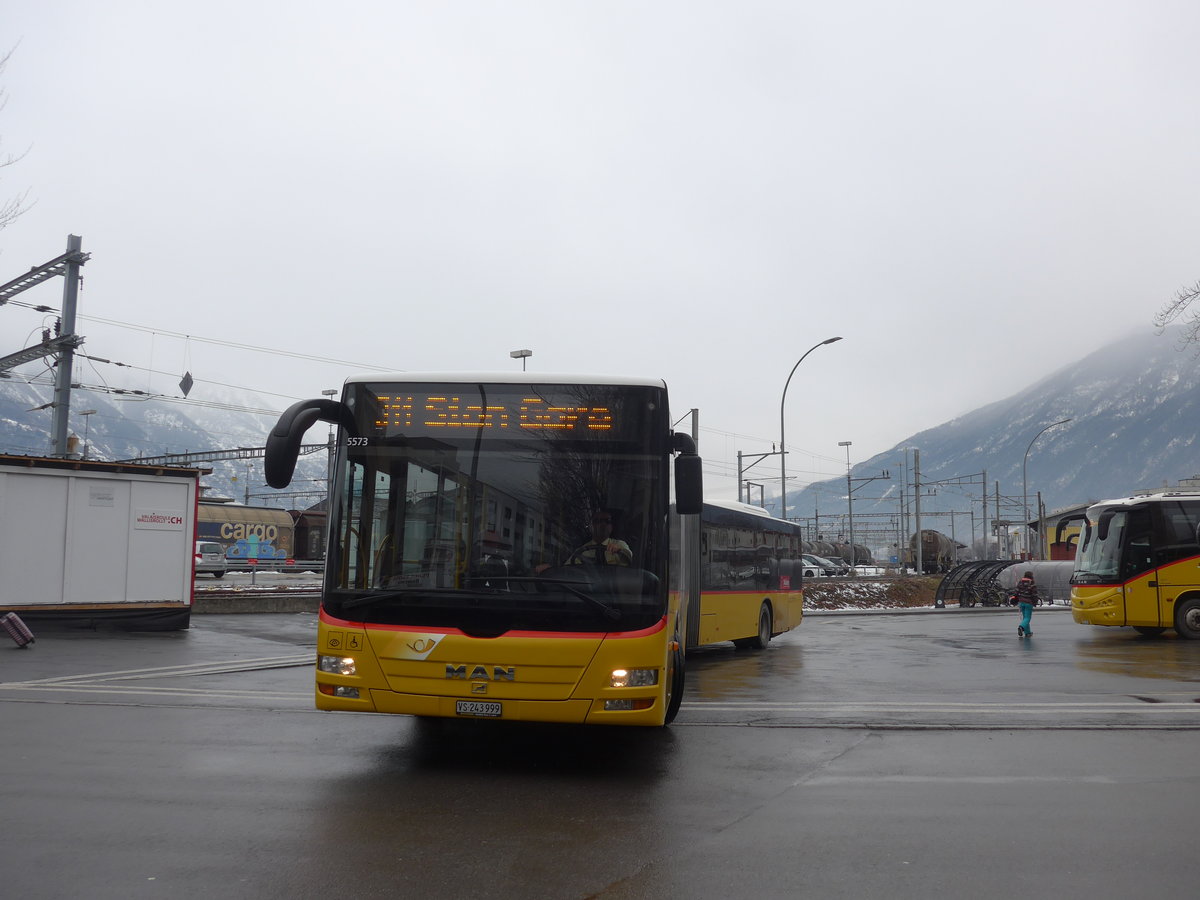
(405, 593)
(611, 613)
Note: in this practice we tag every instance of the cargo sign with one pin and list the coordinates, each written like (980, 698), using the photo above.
(158, 520)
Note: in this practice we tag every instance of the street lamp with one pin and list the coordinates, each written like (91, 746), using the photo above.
(330, 453)
(522, 355)
(782, 451)
(849, 498)
(87, 420)
(1025, 479)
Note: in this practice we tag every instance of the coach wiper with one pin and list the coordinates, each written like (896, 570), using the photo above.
(409, 593)
(375, 597)
(571, 587)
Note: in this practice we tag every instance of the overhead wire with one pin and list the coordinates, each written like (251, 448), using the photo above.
(237, 345)
(728, 468)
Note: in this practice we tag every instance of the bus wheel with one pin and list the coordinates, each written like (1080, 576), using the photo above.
(1187, 619)
(674, 685)
(760, 641)
(1148, 631)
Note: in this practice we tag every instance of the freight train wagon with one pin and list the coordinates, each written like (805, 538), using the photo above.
(247, 532)
(861, 554)
(309, 536)
(938, 552)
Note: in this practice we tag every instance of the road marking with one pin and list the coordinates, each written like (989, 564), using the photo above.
(208, 668)
(824, 780)
(1180, 711)
(820, 706)
(146, 690)
(117, 683)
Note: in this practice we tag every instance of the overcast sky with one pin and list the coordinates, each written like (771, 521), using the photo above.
(972, 194)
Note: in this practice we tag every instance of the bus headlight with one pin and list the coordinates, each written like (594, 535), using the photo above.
(337, 665)
(634, 677)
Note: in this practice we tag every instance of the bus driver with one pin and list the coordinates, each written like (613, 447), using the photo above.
(603, 549)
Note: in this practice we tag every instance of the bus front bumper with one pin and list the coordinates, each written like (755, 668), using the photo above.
(1098, 605)
(582, 711)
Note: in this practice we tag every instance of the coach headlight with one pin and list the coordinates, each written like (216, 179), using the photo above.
(337, 665)
(634, 677)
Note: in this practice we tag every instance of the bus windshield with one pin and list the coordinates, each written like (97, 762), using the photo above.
(1098, 560)
(494, 507)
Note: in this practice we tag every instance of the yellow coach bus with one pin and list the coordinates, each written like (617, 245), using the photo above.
(503, 547)
(1138, 564)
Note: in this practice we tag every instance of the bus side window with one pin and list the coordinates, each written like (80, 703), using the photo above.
(1179, 539)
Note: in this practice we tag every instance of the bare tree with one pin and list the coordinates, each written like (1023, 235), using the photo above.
(13, 207)
(1180, 309)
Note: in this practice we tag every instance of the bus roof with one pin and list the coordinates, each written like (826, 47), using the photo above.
(1148, 497)
(738, 506)
(506, 378)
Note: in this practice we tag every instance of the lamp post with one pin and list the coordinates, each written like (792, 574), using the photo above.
(522, 355)
(849, 498)
(87, 420)
(331, 452)
(1025, 479)
(782, 451)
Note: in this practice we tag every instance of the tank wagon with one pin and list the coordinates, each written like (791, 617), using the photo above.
(861, 555)
(938, 552)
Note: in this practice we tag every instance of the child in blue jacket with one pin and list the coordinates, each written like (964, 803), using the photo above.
(1027, 595)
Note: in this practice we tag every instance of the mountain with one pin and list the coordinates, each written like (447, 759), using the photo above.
(124, 426)
(1134, 408)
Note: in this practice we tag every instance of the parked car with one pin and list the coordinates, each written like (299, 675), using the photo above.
(843, 567)
(869, 570)
(826, 566)
(210, 558)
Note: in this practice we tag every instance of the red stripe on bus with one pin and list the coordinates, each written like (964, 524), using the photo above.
(329, 619)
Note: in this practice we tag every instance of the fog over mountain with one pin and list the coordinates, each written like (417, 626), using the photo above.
(1134, 408)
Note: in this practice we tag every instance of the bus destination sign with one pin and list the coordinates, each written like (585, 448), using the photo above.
(406, 412)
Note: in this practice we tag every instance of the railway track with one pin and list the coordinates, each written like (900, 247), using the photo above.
(267, 591)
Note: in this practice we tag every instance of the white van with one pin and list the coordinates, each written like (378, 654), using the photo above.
(210, 558)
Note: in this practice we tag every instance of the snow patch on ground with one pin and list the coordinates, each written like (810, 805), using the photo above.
(900, 592)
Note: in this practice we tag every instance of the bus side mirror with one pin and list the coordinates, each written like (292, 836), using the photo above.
(1062, 526)
(283, 442)
(689, 477)
(689, 485)
(1102, 526)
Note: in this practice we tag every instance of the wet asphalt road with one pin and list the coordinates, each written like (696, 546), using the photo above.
(861, 756)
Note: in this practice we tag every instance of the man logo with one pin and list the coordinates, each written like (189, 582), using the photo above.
(480, 673)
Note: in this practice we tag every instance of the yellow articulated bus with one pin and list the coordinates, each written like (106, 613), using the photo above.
(503, 547)
(1138, 564)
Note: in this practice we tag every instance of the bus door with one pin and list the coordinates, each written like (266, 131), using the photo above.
(1137, 571)
(1176, 553)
